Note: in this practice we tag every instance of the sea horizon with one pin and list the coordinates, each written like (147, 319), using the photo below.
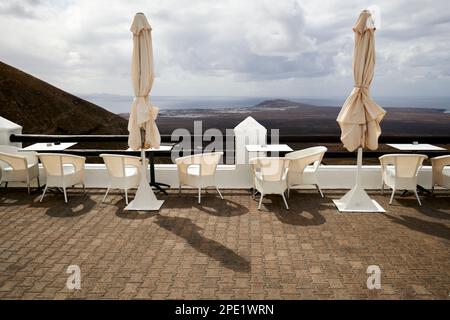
(121, 103)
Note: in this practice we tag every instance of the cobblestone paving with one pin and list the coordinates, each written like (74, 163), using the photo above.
(222, 249)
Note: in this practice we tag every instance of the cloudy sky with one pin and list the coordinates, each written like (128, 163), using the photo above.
(282, 48)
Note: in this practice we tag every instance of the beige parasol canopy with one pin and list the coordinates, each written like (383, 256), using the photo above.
(360, 116)
(143, 113)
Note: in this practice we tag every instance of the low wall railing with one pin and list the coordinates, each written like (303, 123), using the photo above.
(304, 139)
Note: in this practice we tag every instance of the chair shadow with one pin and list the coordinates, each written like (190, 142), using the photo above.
(431, 206)
(76, 205)
(428, 227)
(190, 232)
(212, 205)
(304, 209)
(13, 198)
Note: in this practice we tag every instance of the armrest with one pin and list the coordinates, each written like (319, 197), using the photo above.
(183, 163)
(438, 163)
(285, 174)
(77, 161)
(189, 160)
(14, 161)
(30, 155)
(386, 160)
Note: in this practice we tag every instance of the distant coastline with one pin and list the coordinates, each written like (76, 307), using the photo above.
(120, 104)
(295, 118)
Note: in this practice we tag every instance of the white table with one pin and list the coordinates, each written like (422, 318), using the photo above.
(161, 149)
(415, 147)
(268, 148)
(43, 146)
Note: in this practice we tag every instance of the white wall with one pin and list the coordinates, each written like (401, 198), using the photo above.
(8, 128)
(330, 177)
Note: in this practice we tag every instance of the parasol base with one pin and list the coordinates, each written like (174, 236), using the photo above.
(145, 199)
(357, 200)
(154, 206)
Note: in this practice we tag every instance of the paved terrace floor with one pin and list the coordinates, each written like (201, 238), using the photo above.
(222, 249)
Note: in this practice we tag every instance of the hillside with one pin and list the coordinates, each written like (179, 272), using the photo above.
(295, 118)
(42, 108)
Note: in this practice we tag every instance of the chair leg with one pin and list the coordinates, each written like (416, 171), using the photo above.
(285, 202)
(65, 194)
(126, 196)
(29, 190)
(392, 196)
(6, 184)
(218, 191)
(38, 182)
(288, 191)
(382, 188)
(260, 201)
(320, 191)
(104, 198)
(43, 193)
(432, 189)
(199, 195)
(84, 188)
(179, 190)
(417, 196)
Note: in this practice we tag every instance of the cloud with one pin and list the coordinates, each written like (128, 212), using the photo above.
(229, 47)
(19, 8)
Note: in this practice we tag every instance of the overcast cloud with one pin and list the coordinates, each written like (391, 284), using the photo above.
(231, 47)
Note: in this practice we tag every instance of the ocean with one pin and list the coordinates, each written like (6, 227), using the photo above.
(121, 104)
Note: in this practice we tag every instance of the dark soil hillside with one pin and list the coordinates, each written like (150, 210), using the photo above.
(42, 108)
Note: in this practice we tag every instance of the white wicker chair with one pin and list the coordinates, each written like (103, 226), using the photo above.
(198, 171)
(440, 177)
(18, 166)
(303, 167)
(124, 172)
(62, 170)
(399, 172)
(270, 176)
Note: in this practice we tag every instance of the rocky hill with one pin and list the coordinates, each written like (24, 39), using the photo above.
(42, 108)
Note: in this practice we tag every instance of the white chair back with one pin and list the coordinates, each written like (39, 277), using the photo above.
(270, 168)
(31, 156)
(439, 177)
(14, 161)
(53, 162)
(302, 158)
(207, 161)
(405, 165)
(116, 164)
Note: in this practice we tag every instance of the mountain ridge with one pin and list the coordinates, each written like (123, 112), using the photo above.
(42, 108)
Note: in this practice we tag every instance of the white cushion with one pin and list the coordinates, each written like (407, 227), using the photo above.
(68, 169)
(390, 170)
(130, 171)
(8, 168)
(194, 170)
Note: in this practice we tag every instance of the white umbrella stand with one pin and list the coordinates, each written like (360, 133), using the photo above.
(357, 200)
(145, 199)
